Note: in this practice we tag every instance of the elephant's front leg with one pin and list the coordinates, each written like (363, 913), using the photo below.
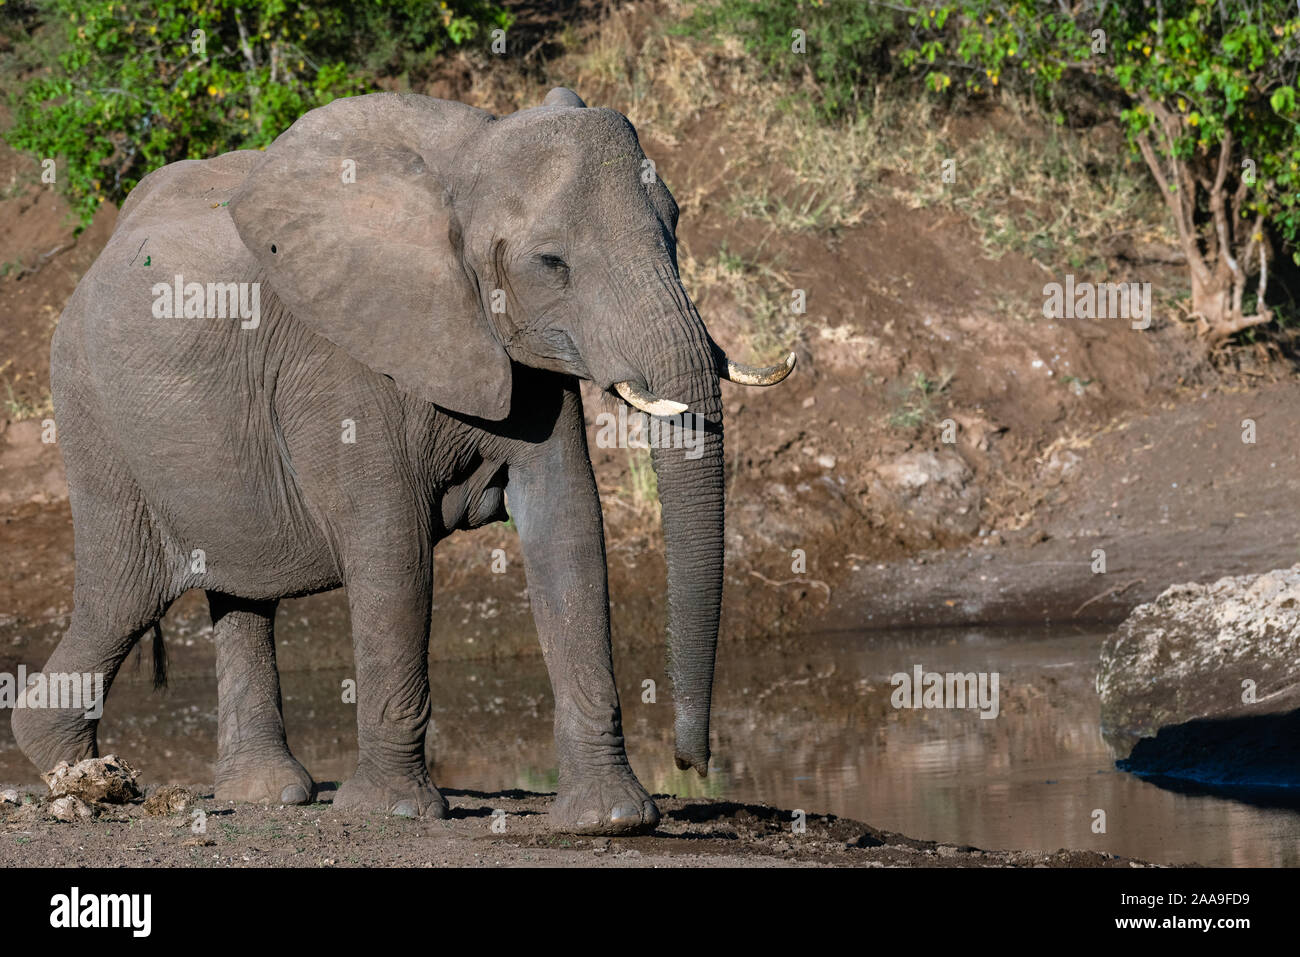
(554, 504)
(390, 633)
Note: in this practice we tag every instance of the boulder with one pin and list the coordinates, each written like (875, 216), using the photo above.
(1216, 655)
(935, 490)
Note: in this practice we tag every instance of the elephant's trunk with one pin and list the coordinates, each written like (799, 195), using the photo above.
(680, 365)
(691, 498)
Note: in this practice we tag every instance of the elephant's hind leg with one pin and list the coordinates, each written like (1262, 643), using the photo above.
(122, 589)
(253, 759)
(87, 658)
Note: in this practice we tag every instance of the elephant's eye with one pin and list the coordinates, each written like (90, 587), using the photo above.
(553, 262)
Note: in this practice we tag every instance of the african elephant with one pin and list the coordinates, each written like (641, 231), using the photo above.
(432, 280)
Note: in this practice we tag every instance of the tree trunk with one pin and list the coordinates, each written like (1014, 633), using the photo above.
(1220, 251)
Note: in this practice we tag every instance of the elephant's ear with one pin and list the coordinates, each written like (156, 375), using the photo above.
(360, 243)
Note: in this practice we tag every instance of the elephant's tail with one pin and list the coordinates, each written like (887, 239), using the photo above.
(159, 658)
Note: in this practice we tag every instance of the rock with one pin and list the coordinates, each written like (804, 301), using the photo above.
(934, 490)
(1062, 463)
(106, 779)
(168, 799)
(10, 796)
(71, 809)
(1189, 654)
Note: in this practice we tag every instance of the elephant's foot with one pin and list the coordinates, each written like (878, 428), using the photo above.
(405, 798)
(608, 800)
(276, 780)
(49, 735)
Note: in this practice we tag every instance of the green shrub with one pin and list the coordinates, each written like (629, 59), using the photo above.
(121, 88)
(1207, 93)
(846, 42)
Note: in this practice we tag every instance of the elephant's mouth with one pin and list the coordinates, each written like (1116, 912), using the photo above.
(548, 348)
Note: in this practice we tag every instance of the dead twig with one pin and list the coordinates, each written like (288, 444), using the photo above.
(813, 582)
(43, 259)
(1110, 591)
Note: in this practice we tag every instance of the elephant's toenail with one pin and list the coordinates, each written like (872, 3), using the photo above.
(625, 814)
(293, 794)
(407, 808)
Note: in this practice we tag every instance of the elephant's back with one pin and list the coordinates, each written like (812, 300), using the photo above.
(178, 188)
(174, 237)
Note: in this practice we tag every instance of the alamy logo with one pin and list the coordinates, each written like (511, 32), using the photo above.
(1098, 300)
(103, 910)
(73, 690)
(216, 300)
(930, 689)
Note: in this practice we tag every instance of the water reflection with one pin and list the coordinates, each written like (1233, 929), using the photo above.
(810, 726)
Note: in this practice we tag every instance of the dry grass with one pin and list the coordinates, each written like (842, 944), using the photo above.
(18, 409)
(755, 288)
(1054, 195)
(643, 487)
(19, 404)
(791, 170)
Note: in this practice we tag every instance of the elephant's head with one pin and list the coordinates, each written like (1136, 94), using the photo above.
(437, 243)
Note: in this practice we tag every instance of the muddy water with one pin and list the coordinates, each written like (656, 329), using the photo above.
(807, 726)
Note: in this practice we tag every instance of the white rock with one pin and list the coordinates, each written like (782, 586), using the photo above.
(1186, 654)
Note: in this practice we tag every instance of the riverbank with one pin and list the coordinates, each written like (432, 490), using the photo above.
(693, 833)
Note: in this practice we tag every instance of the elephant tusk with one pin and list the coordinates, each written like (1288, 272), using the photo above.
(756, 375)
(647, 403)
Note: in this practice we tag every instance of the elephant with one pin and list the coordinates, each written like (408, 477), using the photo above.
(299, 369)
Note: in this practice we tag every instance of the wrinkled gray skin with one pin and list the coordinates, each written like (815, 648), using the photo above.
(187, 434)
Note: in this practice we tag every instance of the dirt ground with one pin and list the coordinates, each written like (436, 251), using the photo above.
(1170, 496)
(693, 833)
